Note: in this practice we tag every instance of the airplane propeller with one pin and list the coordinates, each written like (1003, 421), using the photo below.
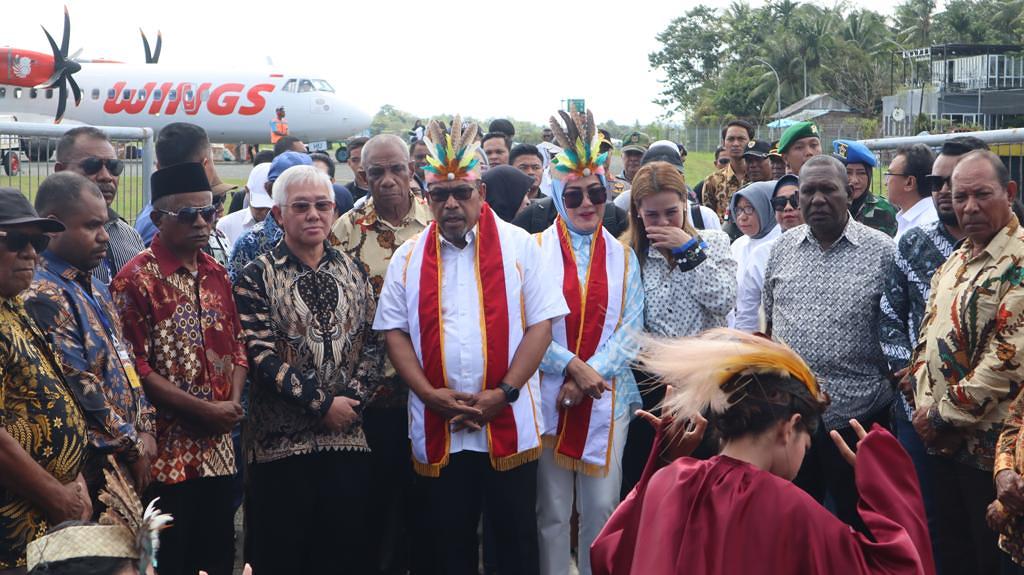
(63, 69)
(152, 57)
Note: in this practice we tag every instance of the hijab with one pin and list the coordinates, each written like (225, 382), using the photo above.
(506, 188)
(759, 194)
(557, 190)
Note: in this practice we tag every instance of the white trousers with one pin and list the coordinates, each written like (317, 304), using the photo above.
(596, 499)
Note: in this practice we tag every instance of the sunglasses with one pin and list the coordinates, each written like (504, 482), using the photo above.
(441, 195)
(723, 161)
(936, 183)
(779, 202)
(92, 166)
(574, 198)
(218, 201)
(188, 216)
(302, 207)
(16, 242)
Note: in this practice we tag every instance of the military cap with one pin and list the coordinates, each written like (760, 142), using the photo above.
(758, 149)
(851, 152)
(636, 142)
(796, 132)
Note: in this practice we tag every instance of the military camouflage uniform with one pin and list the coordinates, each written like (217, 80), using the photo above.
(719, 188)
(877, 213)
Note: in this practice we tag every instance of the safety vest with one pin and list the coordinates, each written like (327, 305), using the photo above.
(278, 126)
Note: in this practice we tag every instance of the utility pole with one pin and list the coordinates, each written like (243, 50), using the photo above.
(778, 88)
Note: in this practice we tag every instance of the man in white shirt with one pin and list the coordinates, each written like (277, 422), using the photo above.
(465, 358)
(907, 190)
(234, 225)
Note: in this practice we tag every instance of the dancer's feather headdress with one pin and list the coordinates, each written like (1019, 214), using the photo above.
(581, 147)
(125, 529)
(708, 372)
(451, 155)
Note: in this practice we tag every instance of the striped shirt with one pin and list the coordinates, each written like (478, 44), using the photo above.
(125, 244)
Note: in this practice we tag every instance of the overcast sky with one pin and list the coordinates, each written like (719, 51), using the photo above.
(506, 58)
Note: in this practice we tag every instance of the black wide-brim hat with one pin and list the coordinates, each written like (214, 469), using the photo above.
(15, 209)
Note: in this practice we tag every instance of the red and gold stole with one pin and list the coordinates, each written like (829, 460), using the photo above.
(584, 326)
(494, 331)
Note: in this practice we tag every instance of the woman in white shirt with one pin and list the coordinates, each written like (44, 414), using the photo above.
(751, 208)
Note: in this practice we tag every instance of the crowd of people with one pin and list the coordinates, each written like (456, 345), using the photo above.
(482, 353)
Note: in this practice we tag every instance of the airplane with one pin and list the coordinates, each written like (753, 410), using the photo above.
(231, 105)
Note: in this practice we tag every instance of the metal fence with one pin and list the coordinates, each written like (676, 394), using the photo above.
(32, 147)
(705, 138)
(1008, 144)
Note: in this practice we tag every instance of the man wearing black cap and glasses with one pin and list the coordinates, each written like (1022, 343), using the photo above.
(178, 313)
(42, 430)
(87, 151)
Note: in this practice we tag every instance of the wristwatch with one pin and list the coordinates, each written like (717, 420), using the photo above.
(511, 393)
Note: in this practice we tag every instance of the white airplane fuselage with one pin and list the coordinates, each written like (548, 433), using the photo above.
(230, 106)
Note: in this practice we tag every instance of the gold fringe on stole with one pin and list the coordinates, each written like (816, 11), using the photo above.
(512, 461)
(577, 465)
(430, 469)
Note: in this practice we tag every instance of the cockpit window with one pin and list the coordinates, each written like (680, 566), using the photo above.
(290, 85)
(305, 86)
(322, 86)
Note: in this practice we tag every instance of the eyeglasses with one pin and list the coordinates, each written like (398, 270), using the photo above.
(92, 166)
(302, 207)
(745, 211)
(188, 216)
(936, 183)
(779, 202)
(16, 241)
(441, 195)
(574, 198)
(894, 175)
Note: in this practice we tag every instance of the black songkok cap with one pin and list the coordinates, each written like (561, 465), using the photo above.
(179, 179)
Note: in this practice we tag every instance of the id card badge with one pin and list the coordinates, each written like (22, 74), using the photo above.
(133, 378)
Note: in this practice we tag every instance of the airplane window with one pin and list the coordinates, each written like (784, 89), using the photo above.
(188, 95)
(33, 93)
(3, 92)
(172, 95)
(17, 92)
(204, 94)
(306, 86)
(289, 86)
(111, 94)
(142, 94)
(49, 94)
(158, 94)
(322, 86)
(95, 94)
(126, 95)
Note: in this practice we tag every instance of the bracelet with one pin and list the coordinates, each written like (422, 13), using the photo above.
(685, 247)
(692, 256)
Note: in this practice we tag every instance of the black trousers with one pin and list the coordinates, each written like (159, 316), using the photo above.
(306, 514)
(452, 513)
(388, 512)
(640, 437)
(202, 535)
(965, 545)
(825, 474)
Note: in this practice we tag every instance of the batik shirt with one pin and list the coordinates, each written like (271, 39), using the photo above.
(613, 359)
(679, 303)
(968, 360)
(218, 246)
(310, 338)
(719, 188)
(96, 360)
(824, 303)
(257, 241)
(39, 411)
(371, 242)
(877, 213)
(920, 252)
(184, 327)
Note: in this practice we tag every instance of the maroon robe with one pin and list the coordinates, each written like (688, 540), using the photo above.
(724, 516)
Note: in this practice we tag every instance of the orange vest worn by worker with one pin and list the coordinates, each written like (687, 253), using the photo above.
(278, 126)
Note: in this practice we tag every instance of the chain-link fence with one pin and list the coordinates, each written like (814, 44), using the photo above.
(707, 137)
(28, 155)
(1008, 144)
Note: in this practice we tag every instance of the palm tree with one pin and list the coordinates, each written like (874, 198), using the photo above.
(914, 21)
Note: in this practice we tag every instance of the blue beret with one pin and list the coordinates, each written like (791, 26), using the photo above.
(851, 152)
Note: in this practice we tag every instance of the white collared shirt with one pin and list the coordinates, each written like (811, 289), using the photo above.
(235, 224)
(463, 360)
(921, 213)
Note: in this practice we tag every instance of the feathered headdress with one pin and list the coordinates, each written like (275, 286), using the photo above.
(451, 155)
(125, 530)
(581, 147)
(707, 371)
